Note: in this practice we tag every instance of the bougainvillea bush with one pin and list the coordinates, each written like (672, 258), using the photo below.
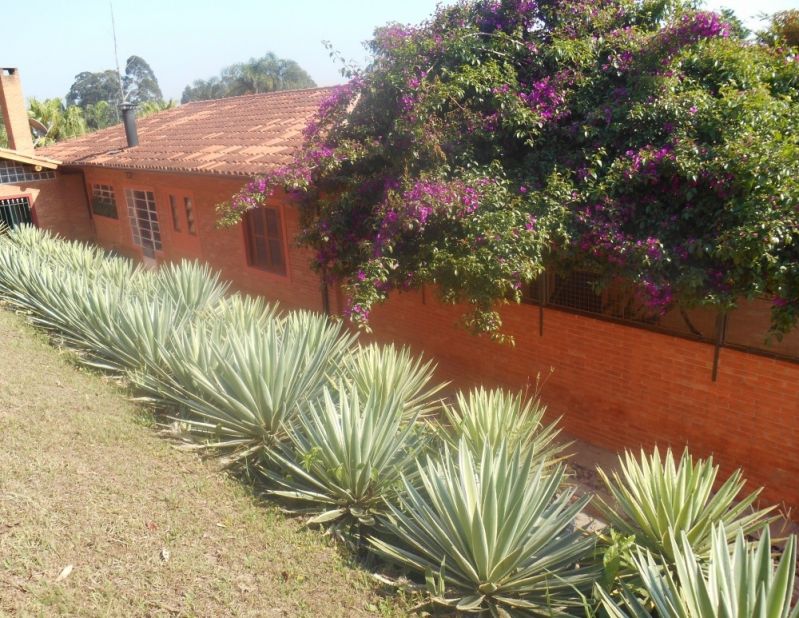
(644, 141)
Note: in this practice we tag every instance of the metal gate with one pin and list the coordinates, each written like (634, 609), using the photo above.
(15, 211)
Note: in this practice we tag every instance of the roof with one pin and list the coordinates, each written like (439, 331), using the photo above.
(30, 159)
(241, 136)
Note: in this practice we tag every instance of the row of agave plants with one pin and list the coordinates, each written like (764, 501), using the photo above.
(469, 497)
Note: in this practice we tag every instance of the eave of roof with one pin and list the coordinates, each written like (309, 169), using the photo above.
(35, 160)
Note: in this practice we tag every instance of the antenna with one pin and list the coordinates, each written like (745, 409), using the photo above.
(116, 59)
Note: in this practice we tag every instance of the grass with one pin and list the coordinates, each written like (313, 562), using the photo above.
(148, 530)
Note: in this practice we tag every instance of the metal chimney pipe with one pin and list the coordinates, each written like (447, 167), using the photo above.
(129, 120)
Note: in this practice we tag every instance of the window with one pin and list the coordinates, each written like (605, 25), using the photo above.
(144, 220)
(173, 208)
(265, 240)
(104, 201)
(11, 172)
(189, 208)
(15, 211)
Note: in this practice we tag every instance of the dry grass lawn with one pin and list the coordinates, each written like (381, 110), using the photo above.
(101, 517)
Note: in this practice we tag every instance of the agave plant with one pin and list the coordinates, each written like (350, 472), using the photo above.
(346, 457)
(657, 498)
(239, 312)
(115, 327)
(491, 534)
(737, 580)
(74, 256)
(129, 335)
(489, 417)
(191, 286)
(238, 390)
(393, 373)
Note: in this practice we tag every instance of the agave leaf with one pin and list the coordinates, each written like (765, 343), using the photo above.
(470, 603)
(328, 516)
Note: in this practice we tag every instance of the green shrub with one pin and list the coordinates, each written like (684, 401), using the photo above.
(736, 581)
(489, 533)
(656, 499)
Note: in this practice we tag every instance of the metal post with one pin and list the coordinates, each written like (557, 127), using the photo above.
(325, 293)
(721, 333)
(542, 299)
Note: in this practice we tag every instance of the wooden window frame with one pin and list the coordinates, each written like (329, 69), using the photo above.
(100, 208)
(264, 262)
(135, 231)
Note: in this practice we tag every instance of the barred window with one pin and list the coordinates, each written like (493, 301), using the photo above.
(264, 233)
(15, 211)
(104, 201)
(13, 172)
(746, 327)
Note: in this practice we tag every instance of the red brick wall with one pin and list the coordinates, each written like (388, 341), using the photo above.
(617, 386)
(58, 204)
(614, 385)
(223, 249)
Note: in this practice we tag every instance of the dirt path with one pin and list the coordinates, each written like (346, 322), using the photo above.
(101, 517)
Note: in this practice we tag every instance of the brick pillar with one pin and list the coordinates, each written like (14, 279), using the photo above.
(15, 115)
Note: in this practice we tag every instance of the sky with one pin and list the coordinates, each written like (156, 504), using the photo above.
(184, 40)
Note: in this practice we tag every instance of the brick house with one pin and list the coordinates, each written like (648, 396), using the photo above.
(618, 380)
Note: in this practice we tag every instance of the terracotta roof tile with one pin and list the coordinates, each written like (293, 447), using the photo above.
(241, 136)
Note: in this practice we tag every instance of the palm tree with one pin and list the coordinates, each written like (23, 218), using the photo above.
(53, 121)
(153, 107)
(266, 74)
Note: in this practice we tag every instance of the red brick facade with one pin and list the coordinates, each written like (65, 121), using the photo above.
(614, 385)
(222, 249)
(58, 204)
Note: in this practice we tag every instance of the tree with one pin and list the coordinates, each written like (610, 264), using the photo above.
(783, 29)
(91, 88)
(139, 82)
(203, 90)
(100, 94)
(101, 114)
(56, 121)
(635, 139)
(266, 74)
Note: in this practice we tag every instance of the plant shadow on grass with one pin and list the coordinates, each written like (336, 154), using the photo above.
(394, 586)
